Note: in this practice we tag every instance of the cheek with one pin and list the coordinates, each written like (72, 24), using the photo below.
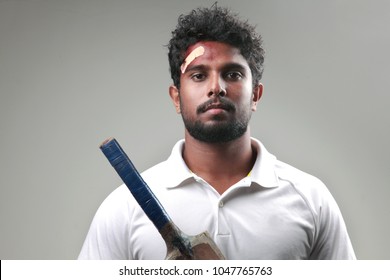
(186, 102)
(195, 89)
(193, 94)
(241, 92)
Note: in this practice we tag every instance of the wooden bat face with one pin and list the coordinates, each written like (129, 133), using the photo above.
(183, 247)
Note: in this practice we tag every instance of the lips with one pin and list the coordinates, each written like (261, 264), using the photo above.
(217, 106)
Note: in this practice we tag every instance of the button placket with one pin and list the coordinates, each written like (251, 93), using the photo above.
(223, 228)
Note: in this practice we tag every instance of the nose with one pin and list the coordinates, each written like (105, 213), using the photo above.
(217, 86)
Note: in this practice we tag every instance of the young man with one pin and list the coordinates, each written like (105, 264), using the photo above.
(219, 179)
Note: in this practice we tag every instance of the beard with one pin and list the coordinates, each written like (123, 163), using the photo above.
(220, 130)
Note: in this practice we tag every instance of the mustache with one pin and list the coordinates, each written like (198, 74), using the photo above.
(220, 102)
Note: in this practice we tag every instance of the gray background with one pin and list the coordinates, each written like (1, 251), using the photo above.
(74, 72)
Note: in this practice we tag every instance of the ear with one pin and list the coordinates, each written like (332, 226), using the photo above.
(174, 94)
(256, 95)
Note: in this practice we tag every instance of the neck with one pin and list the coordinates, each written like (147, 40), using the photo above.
(220, 164)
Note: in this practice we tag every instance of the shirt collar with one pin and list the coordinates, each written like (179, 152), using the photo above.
(263, 172)
(178, 168)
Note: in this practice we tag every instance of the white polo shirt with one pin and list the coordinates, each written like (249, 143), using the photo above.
(277, 212)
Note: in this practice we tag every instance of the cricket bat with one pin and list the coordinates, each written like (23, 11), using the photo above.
(180, 246)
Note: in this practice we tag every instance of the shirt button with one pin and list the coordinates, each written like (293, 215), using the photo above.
(221, 204)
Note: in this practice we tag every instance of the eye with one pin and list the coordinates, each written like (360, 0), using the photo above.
(198, 77)
(233, 75)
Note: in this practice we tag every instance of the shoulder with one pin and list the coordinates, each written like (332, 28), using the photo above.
(315, 194)
(121, 201)
(116, 206)
(270, 171)
(311, 189)
(301, 180)
(107, 237)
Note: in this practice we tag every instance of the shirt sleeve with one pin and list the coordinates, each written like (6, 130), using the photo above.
(332, 241)
(108, 235)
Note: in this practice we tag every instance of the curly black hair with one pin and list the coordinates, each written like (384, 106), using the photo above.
(215, 24)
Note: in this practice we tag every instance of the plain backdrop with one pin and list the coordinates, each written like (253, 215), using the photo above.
(74, 72)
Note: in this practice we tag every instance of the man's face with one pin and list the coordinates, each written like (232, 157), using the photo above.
(216, 96)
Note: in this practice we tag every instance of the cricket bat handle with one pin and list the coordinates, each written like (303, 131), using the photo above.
(172, 235)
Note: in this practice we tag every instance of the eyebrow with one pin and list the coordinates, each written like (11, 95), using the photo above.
(228, 66)
(234, 66)
(199, 67)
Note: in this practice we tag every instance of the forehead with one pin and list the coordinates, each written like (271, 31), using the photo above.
(214, 52)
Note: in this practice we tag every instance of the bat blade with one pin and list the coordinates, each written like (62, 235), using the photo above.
(204, 248)
(181, 246)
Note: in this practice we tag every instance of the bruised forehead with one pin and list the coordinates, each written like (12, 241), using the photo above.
(210, 50)
(212, 47)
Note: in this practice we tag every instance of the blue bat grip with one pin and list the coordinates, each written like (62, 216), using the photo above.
(133, 180)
